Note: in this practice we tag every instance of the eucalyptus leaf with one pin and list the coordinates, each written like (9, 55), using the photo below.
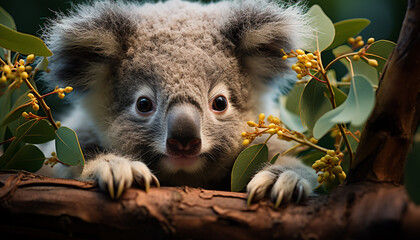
(28, 158)
(324, 30)
(5, 105)
(43, 64)
(246, 164)
(14, 114)
(291, 120)
(68, 147)
(22, 43)
(292, 98)
(36, 131)
(355, 109)
(383, 49)
(274, 159)
(360, 67)
(6, 19)
(353, 143)
(14, 146)
(346, 29)
(315, 102)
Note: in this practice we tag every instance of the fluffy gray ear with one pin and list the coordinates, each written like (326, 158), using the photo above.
(258, 30)
(88, 41)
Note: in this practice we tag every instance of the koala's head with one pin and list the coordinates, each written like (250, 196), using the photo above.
(174, 83)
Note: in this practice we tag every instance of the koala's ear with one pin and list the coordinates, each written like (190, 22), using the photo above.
(88, 41)
(258, 30)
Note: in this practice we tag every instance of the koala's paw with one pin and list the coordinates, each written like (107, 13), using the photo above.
(282, 185)
(115, 174)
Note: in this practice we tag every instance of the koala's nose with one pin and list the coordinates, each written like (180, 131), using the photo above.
(183, 131)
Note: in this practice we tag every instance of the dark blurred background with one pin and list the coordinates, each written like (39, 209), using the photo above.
(386, 15)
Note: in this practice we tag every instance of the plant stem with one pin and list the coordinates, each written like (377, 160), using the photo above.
(306, 142)
(44, 106)
(7, 141)
(334, 104)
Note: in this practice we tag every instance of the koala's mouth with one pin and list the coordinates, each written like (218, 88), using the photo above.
(183, 161)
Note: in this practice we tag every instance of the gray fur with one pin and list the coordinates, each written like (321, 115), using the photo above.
(174, 53)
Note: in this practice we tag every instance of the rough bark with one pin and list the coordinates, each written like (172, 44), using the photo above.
(35, 206)
(389, 131)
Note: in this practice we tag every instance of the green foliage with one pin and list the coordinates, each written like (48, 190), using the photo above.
(355, 109)
(22, 43)
(274, 159)
(28, 158)
(359, 67)
(6, 19)
(20, 126)
(319, 103)
(324, 30)
(36, 131)
(68, 147)
(383, 49)
(346, 29)
(244, 168)
(315, 102)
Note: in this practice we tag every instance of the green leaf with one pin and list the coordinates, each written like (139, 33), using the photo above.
(383, 49)
(355, 109)
(246, 164)
(13, 147)
(68, 147)
(37, 131)
(291, 120)
(6, 19)
(346, 29)
(274, 159)
(14, 114)
(360, 67)
(5, 105)
(43, 64)
(315, 102)
(353, 143)
(323, 30)
(310, 157)
(28, 158)
(22, 43)
(292, 98)
(339, 95)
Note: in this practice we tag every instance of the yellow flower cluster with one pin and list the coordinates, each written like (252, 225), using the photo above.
(329, 165)
(272, 128)
(359, 43)
(52, 161)
(17, 72)
(34, 101)
(61, 91)
(305, 62)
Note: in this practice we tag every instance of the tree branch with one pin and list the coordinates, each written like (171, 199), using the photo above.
(389, 131)
(37, 206)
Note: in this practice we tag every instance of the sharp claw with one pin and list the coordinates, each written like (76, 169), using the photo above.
(156, 181)
(279, 199)
(120, 189)
(146, 184)
(250, 197)
(111, 190)
(300, 193)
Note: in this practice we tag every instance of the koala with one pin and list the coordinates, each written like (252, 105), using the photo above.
(166, 90)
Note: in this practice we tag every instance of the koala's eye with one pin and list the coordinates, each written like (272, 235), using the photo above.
(144, 105)
(220, 104)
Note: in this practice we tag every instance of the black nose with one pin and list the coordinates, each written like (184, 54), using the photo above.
(183, 131)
